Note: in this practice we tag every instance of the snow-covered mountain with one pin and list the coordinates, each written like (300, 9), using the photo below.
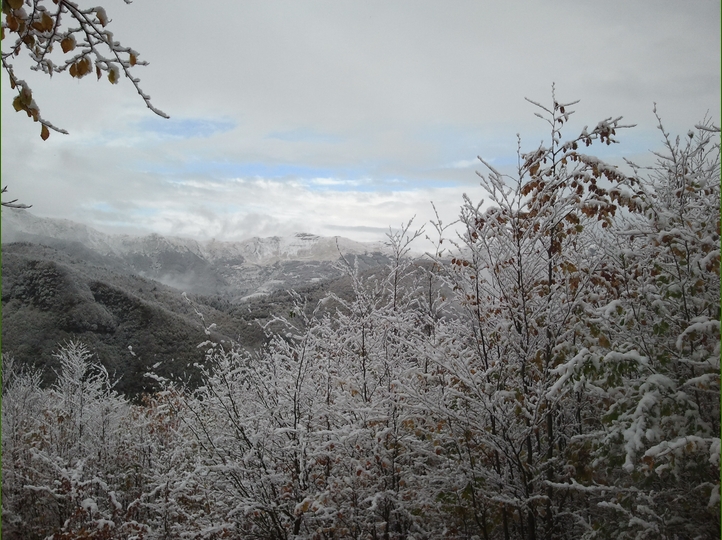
(234, 269)
(20, 225)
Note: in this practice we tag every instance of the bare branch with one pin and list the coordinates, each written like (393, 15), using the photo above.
(41, 31)
(13, 203)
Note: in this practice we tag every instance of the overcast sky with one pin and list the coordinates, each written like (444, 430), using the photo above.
(344, 118)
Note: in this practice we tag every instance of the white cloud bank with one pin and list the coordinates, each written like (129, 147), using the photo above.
(345, 118)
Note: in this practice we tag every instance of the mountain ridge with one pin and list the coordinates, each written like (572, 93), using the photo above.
(19, 223)
(66, 281)
(237, 271)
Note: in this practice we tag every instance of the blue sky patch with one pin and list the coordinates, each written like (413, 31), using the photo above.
(186, 128)
(228, 169)
(259, 170)
(319, 179)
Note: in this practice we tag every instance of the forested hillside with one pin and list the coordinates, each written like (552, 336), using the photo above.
(63, 281)
(551, 372)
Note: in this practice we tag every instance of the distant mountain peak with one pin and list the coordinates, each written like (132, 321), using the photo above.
(302, 246)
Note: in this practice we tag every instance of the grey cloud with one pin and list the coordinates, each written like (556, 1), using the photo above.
(391, 93)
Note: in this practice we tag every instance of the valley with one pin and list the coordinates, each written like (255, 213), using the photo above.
(124, 296)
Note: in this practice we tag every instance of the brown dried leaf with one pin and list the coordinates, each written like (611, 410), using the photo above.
(47, 22)
(84, 67)
(68, 44)
(12, 23)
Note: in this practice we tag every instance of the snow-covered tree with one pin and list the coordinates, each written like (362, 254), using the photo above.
(311, 438)
(522, 276)
(63, 470)
(551, 372)
(651, 364)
